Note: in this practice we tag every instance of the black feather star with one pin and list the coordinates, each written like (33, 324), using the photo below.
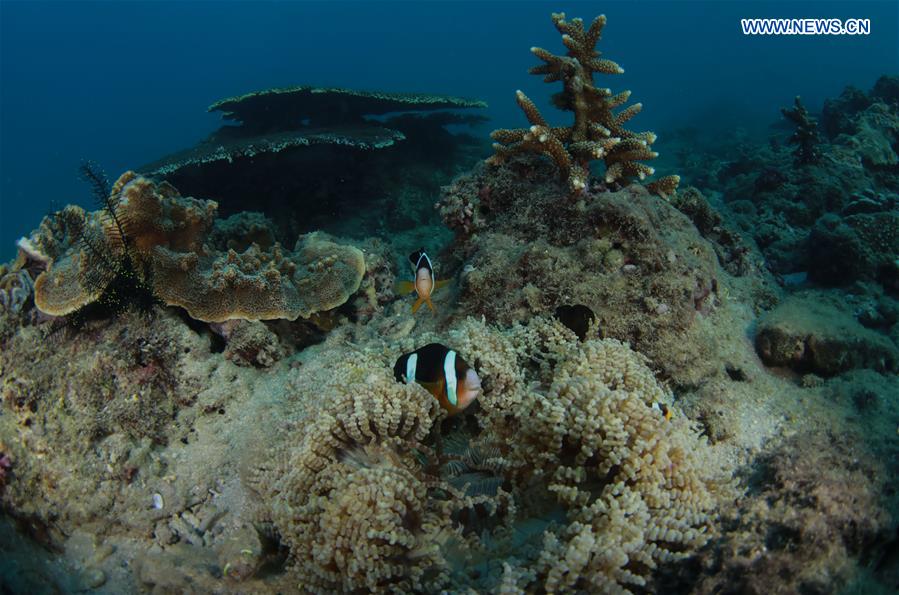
(112, 269)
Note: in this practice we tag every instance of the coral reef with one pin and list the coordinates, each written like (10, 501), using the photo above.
(349, 497)
(815, 504)
(166, 237)
(356, 497)
(275, 120)
(597, 132)
(804, 219)
(255, 285)
(286, 107)
(328, 158)
(806, 136)
(638, 491)
(634, 260)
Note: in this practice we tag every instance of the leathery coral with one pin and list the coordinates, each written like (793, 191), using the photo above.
(165, 236)
(597, 132)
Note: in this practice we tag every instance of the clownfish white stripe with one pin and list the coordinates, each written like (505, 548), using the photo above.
(449, 372)
(411, 364)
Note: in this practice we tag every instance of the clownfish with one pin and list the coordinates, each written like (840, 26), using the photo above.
(663, 409)
(443, 373)
(424, 283)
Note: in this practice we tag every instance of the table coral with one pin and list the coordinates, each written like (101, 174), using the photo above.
(597, 132)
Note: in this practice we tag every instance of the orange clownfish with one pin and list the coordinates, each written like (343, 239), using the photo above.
(424, 284)
(443, 373)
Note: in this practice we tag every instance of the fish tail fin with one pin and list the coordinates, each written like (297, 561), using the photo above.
(417, 304)
(403, 287)
(431, 304)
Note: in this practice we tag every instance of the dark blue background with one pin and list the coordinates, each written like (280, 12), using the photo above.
(124, 83)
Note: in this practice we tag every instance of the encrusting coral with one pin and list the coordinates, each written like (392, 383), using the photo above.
(167, 239)
(806, 135)
(597, 132)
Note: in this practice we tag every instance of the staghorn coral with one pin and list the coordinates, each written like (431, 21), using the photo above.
(806, 135)
(597, 132)
(166, 242)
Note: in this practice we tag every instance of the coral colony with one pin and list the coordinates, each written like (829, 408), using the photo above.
(611, 394)
(597, 132)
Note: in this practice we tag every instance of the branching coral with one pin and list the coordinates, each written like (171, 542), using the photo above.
(806, 135)
(597, 131)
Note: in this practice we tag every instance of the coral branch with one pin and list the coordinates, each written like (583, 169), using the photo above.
(597, 132)
(806, 135)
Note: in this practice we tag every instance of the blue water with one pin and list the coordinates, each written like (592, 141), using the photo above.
(124, 83)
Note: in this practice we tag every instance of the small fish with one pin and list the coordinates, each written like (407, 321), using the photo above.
(443, 373)
(424, 284)
(663, 409)
(578, 318)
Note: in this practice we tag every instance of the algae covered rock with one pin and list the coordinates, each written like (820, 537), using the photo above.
(629, 256)
(810, 335)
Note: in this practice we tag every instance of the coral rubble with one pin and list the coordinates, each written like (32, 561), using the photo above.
(597, 132)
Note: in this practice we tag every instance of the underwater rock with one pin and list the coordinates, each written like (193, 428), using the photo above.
(249, 343)
(597, 132)
(531, 250)
(733, 253)
(856, 247)
(809, 333)
(815, 504)
(876, 130)
(577, 318)
(887, 89)
(838, 114)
